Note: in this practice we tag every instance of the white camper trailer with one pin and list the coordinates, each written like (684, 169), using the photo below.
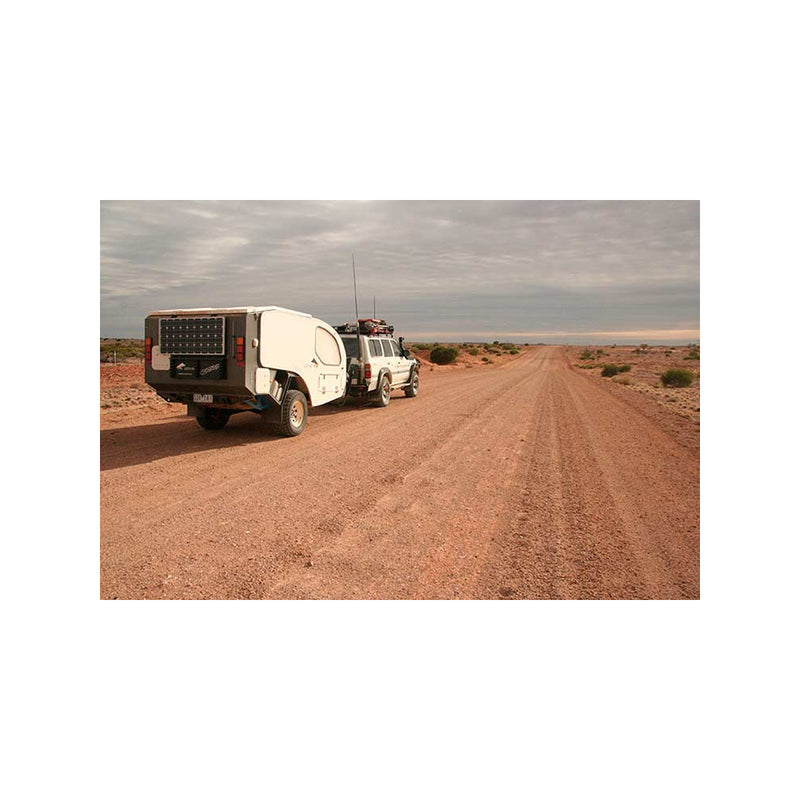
(264, 359)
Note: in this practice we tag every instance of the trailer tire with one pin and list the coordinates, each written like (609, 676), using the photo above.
(294, 413)
(413, 385)
(213, 419)
(384, 392)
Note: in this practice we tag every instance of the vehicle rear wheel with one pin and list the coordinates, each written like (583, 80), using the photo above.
(213, 419)
(413, 386)
(294, 413)
(384, 394)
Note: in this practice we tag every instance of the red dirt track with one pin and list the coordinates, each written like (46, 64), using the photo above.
(526, 480)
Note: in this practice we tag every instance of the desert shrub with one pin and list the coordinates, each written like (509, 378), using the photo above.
(624, 368)
(441, 354)
(677, 377)
(474, 351)
(513, 351)
(585, 355)
(507, 346)
(601, 352)
(495, 342)
(694, 355)
(625, 380)
(610, 370)
(486, 360)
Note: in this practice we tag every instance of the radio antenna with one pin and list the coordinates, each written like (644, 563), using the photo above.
(355, 291)
(374, 312)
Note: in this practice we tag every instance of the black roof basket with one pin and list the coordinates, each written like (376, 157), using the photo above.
(367, 327)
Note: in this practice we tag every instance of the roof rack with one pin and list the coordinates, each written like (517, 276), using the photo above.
(367, 327)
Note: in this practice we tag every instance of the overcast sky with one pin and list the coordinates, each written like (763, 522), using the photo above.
(551, 271)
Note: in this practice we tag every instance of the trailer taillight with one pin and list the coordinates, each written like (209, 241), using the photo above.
(368, 372)
(148, 350)
(240, 350)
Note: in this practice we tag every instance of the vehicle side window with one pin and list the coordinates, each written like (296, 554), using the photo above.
(387, 348)
(396, 348)
(375, 348)
(327, 348)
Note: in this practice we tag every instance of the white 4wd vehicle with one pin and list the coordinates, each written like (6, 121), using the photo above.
(377, 363)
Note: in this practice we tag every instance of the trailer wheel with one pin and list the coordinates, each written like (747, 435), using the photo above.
(213, 419)
(294, 413)
(413, 386)
(384, 394)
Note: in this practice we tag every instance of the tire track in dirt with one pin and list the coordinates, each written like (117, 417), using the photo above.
(373, 560)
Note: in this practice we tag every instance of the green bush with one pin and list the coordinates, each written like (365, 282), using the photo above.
(441, 354)
(610, 370)
(486, 360)
(513, 351)
(694, 355)
(585, 355)
(624, 368)
(474, 351)
(677, 377)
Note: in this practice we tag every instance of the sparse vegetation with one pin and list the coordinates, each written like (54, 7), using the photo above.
(486, 360)
(513, 351)
(442, 354)
(694, 353)
(624, 368)
(625, 380)
(585, 354)
(610, 370)
(124, 348)
(679, 378)
(474, 351)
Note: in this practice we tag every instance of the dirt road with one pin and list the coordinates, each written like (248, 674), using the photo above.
(529, 480)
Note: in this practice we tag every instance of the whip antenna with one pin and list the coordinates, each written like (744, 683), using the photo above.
(355, 291)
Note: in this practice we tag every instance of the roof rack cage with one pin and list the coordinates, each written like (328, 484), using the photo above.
(367, 327)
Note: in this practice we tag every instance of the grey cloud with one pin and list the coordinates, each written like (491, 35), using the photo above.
(445, 266)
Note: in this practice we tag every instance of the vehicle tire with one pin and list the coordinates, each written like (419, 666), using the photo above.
(413, 386)
(213, 419)
(294, 413)
(384, 392)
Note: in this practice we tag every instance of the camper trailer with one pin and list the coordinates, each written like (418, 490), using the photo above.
(264, 359)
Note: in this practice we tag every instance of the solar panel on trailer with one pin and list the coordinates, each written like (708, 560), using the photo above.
(192, 336)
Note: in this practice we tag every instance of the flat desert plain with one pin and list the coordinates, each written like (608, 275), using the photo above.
(528, 477)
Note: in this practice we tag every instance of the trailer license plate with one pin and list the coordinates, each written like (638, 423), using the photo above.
(204, 398)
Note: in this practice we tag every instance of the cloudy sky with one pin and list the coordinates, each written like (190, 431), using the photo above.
(551, 271)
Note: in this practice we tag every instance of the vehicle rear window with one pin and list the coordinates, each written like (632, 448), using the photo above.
(387, 348)
(375, 348)
(351, 346)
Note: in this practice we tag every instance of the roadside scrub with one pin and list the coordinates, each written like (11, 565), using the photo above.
(678, 378)
(441, 354)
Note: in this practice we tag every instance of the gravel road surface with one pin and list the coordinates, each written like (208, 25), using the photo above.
(527, 480)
